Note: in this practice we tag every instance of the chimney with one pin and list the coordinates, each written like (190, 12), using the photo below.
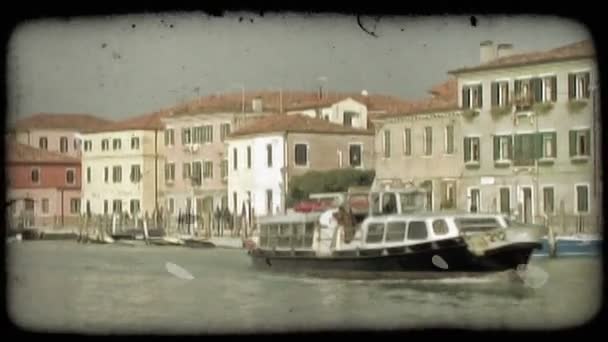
(487, 52)
(256, 105)
(504, 50)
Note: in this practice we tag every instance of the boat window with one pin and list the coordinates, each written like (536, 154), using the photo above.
(375, 232)
(395, 231)
(284, 235)
(298, 235)
(263, 235)
(417, 230)
(272, 235)
(309, 234)
(389, 203)
(440, 227)
(477, 224)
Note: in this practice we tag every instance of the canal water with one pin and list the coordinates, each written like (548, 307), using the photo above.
(68, 287)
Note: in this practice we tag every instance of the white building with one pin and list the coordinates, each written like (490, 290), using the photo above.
(123, 166)
(347, 112)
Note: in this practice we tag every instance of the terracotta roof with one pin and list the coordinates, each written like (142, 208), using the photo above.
(79, 122)
(447, 90)
(21, 153)
(576, 50)
(295, 123)
(429, 105)
(150, 121)
(271, 101)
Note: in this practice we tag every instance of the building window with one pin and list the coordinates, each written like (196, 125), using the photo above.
(169, 172)
(117, 206)
(549, 144)
(523, 95)
(502, 147)
(354, 154)
(269, 202)
(117, 174)
(224, 131)
(224, 202)
(578, 86)
(186, 170)
(407, 141)
(428, 187)
(234, 203)
(135, 173)
(582, 199)
(249, 157)
(427, 141)
(339, 159)
(224, 169)
(196, 173)
(63, 144)
(580, 143)
(474, 200)
(208, 169)
(269, 155)
(88, 175)
(348, 118)
(472, 96)
(116, 144)
(70, 176)
(525, 149)
(171, 205)
(35, 175)
(448, 198)
(43, 143)
(301, 154)
(449, 139)
(169, 137)
(106, 174)
(208, 134)
(505, 200)
(134, 206)
(548, 200)
(45, 205)
(88, 207)
(74, 205)
(471, 149)
(88, 145)
(105, 206)
(197, 135)
(135, 143)
(548, 92)
(76, 144)
(500, 93)
(29, 204)
(235, 159)
(386, 143)
(105, 144)
(186, 137)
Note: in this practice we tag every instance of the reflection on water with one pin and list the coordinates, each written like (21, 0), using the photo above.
(67, 286)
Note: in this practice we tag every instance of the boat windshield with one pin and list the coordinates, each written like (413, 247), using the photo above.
(408, 201)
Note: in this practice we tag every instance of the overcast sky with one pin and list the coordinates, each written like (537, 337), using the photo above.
(117, 67)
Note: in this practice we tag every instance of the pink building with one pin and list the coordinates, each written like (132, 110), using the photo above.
(55, 132)
(43, 184)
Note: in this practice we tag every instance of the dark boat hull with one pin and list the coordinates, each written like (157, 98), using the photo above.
(456, 258)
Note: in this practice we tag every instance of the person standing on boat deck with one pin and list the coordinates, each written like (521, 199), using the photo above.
(345, 220)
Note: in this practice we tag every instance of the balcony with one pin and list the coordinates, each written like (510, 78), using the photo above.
(502, 162)
(523, 103)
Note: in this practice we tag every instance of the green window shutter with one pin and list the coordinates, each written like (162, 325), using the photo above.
(538, 144)
(465, 98)
(467, 149)
(494, 90)
(507, 95)
(429, 140)
(572, 143)
(537, 89)
(588, 142)
(496, 147)
(518, 155)
(586, 86)
(553, 88)
(479, 96)
(517, 86)
(554, 144)
(571, 86)
(510, 147)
